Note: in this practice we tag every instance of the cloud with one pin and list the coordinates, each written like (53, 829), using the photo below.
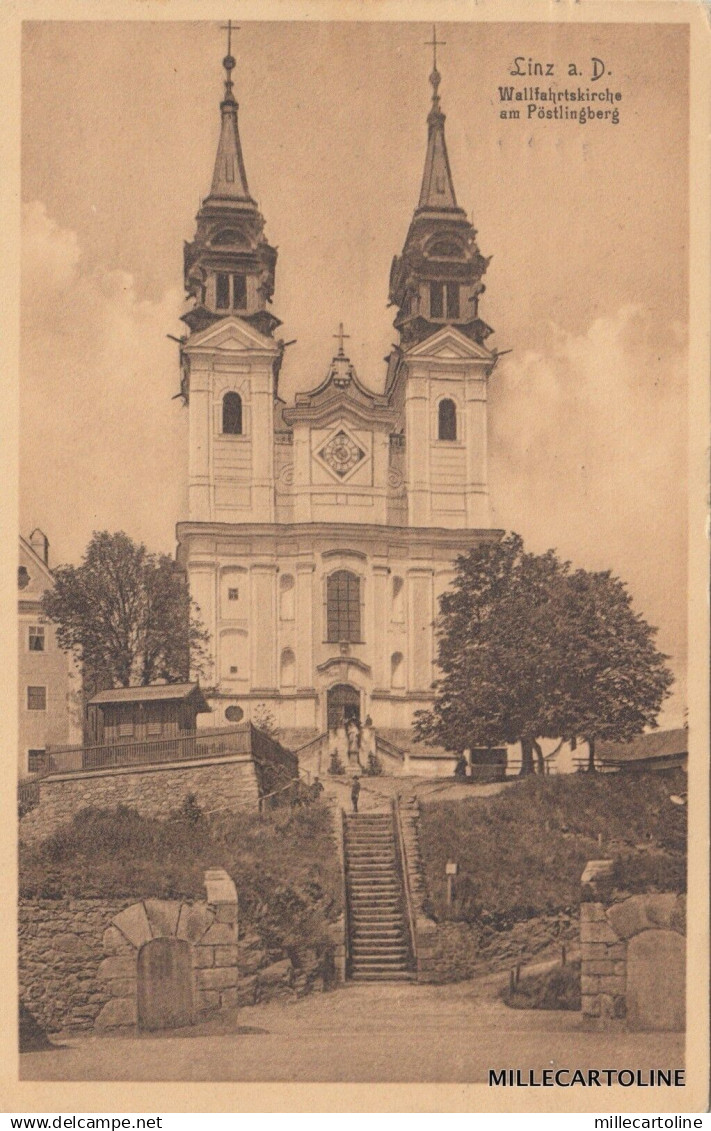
(103, 445)
(588, 455)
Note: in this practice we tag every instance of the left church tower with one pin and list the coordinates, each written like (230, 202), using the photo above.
(230, 359)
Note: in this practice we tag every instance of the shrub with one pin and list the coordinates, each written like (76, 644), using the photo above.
(374, 767)
(521, 853)
(284, 864)
(558, 988)
(335, 765)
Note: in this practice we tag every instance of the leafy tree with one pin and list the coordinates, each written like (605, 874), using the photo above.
(613, 679)
(529, 649)
(126, 615)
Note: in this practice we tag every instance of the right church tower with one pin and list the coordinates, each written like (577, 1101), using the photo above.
(437, 374)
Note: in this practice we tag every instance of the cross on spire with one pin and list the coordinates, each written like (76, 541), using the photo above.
(434, 43)
(229, 28)
(229, 61)
(340, 336)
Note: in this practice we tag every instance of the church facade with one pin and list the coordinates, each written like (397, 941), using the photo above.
(321, 533)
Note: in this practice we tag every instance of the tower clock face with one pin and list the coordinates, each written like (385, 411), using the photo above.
(341, 454)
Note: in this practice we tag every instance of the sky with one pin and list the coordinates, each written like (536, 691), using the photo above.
(587, 287)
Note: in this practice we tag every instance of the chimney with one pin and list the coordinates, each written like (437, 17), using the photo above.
(40, 544)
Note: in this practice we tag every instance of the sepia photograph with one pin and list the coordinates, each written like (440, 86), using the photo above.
(355, 738)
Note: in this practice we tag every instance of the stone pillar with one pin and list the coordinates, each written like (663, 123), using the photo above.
(200, 508)
(381, 624)
(262, 627)
(304, 625)
(602, 982)
(477, 497)
(418, 450)
(420, 657)
(632, 955)
(262, 411)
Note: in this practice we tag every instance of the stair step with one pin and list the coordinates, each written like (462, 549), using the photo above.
(391, 976)
(380, 917)
(362, 953)
(367, 967)
(375, 934)
(382, 899)
(374, 867)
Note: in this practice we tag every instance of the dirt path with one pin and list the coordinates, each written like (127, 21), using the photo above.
(366, 1032)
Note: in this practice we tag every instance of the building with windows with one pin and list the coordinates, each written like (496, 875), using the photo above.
(321, 533)
(45, 683)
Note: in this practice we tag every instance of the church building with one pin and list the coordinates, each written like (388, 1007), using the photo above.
(321, 533)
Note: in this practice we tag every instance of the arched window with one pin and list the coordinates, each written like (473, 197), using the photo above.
(288, 668)
(447, 423)
(397, 671)
(342, 606)
(232, 414)
(286, 597)
(398, 600)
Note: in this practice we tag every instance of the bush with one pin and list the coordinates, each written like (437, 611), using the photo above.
(284, 864)
(521, 853)
(335, 765)
(558, 988)
(374, 767)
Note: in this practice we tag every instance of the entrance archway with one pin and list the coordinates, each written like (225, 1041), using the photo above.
(342, 704)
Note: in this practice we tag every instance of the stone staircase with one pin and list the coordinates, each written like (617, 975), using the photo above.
(379, 944)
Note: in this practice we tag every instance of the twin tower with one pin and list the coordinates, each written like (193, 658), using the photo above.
(321, 533)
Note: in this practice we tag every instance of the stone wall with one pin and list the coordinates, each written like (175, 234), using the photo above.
(219, 784)
(60, 951)
(76, 965)
(632, 955)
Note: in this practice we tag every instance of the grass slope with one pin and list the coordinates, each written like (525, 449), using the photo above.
(521, 853)
(285, 865)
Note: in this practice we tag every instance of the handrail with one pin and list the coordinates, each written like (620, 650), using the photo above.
(201, 743)
(404, 868)
(265, 796)
(389, 747)
(312, 742)
(344, 892)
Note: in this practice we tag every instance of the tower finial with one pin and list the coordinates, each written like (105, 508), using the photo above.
(229, 62)
(340, 336)
(435, 77)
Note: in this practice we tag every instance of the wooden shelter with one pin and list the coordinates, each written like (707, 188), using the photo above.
(658, 750)
(144, 714)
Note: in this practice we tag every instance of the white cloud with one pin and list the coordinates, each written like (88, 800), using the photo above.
(103, 444)
(588, 455)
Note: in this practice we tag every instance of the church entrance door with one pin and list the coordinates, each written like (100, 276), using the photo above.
(343, 704)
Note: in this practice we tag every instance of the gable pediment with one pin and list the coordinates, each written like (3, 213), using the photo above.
(233, 336)
(450, 344)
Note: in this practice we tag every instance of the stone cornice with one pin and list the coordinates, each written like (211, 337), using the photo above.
(400, 537)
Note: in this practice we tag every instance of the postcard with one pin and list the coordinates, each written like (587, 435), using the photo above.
(362, 681)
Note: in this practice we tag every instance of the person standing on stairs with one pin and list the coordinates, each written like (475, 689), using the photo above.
(355, 792)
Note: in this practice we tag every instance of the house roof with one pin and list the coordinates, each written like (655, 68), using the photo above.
(150, 694)
(656, 744)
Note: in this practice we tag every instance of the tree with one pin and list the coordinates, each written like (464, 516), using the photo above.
(613, 679)
(127, 615)
(529, 649)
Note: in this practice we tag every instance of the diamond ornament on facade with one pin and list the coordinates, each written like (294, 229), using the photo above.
(341, 454)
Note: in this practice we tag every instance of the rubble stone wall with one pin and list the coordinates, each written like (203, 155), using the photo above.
(226, 785)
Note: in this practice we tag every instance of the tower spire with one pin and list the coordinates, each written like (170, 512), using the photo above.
(229, 180)
(229, 266)
(437, 186)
